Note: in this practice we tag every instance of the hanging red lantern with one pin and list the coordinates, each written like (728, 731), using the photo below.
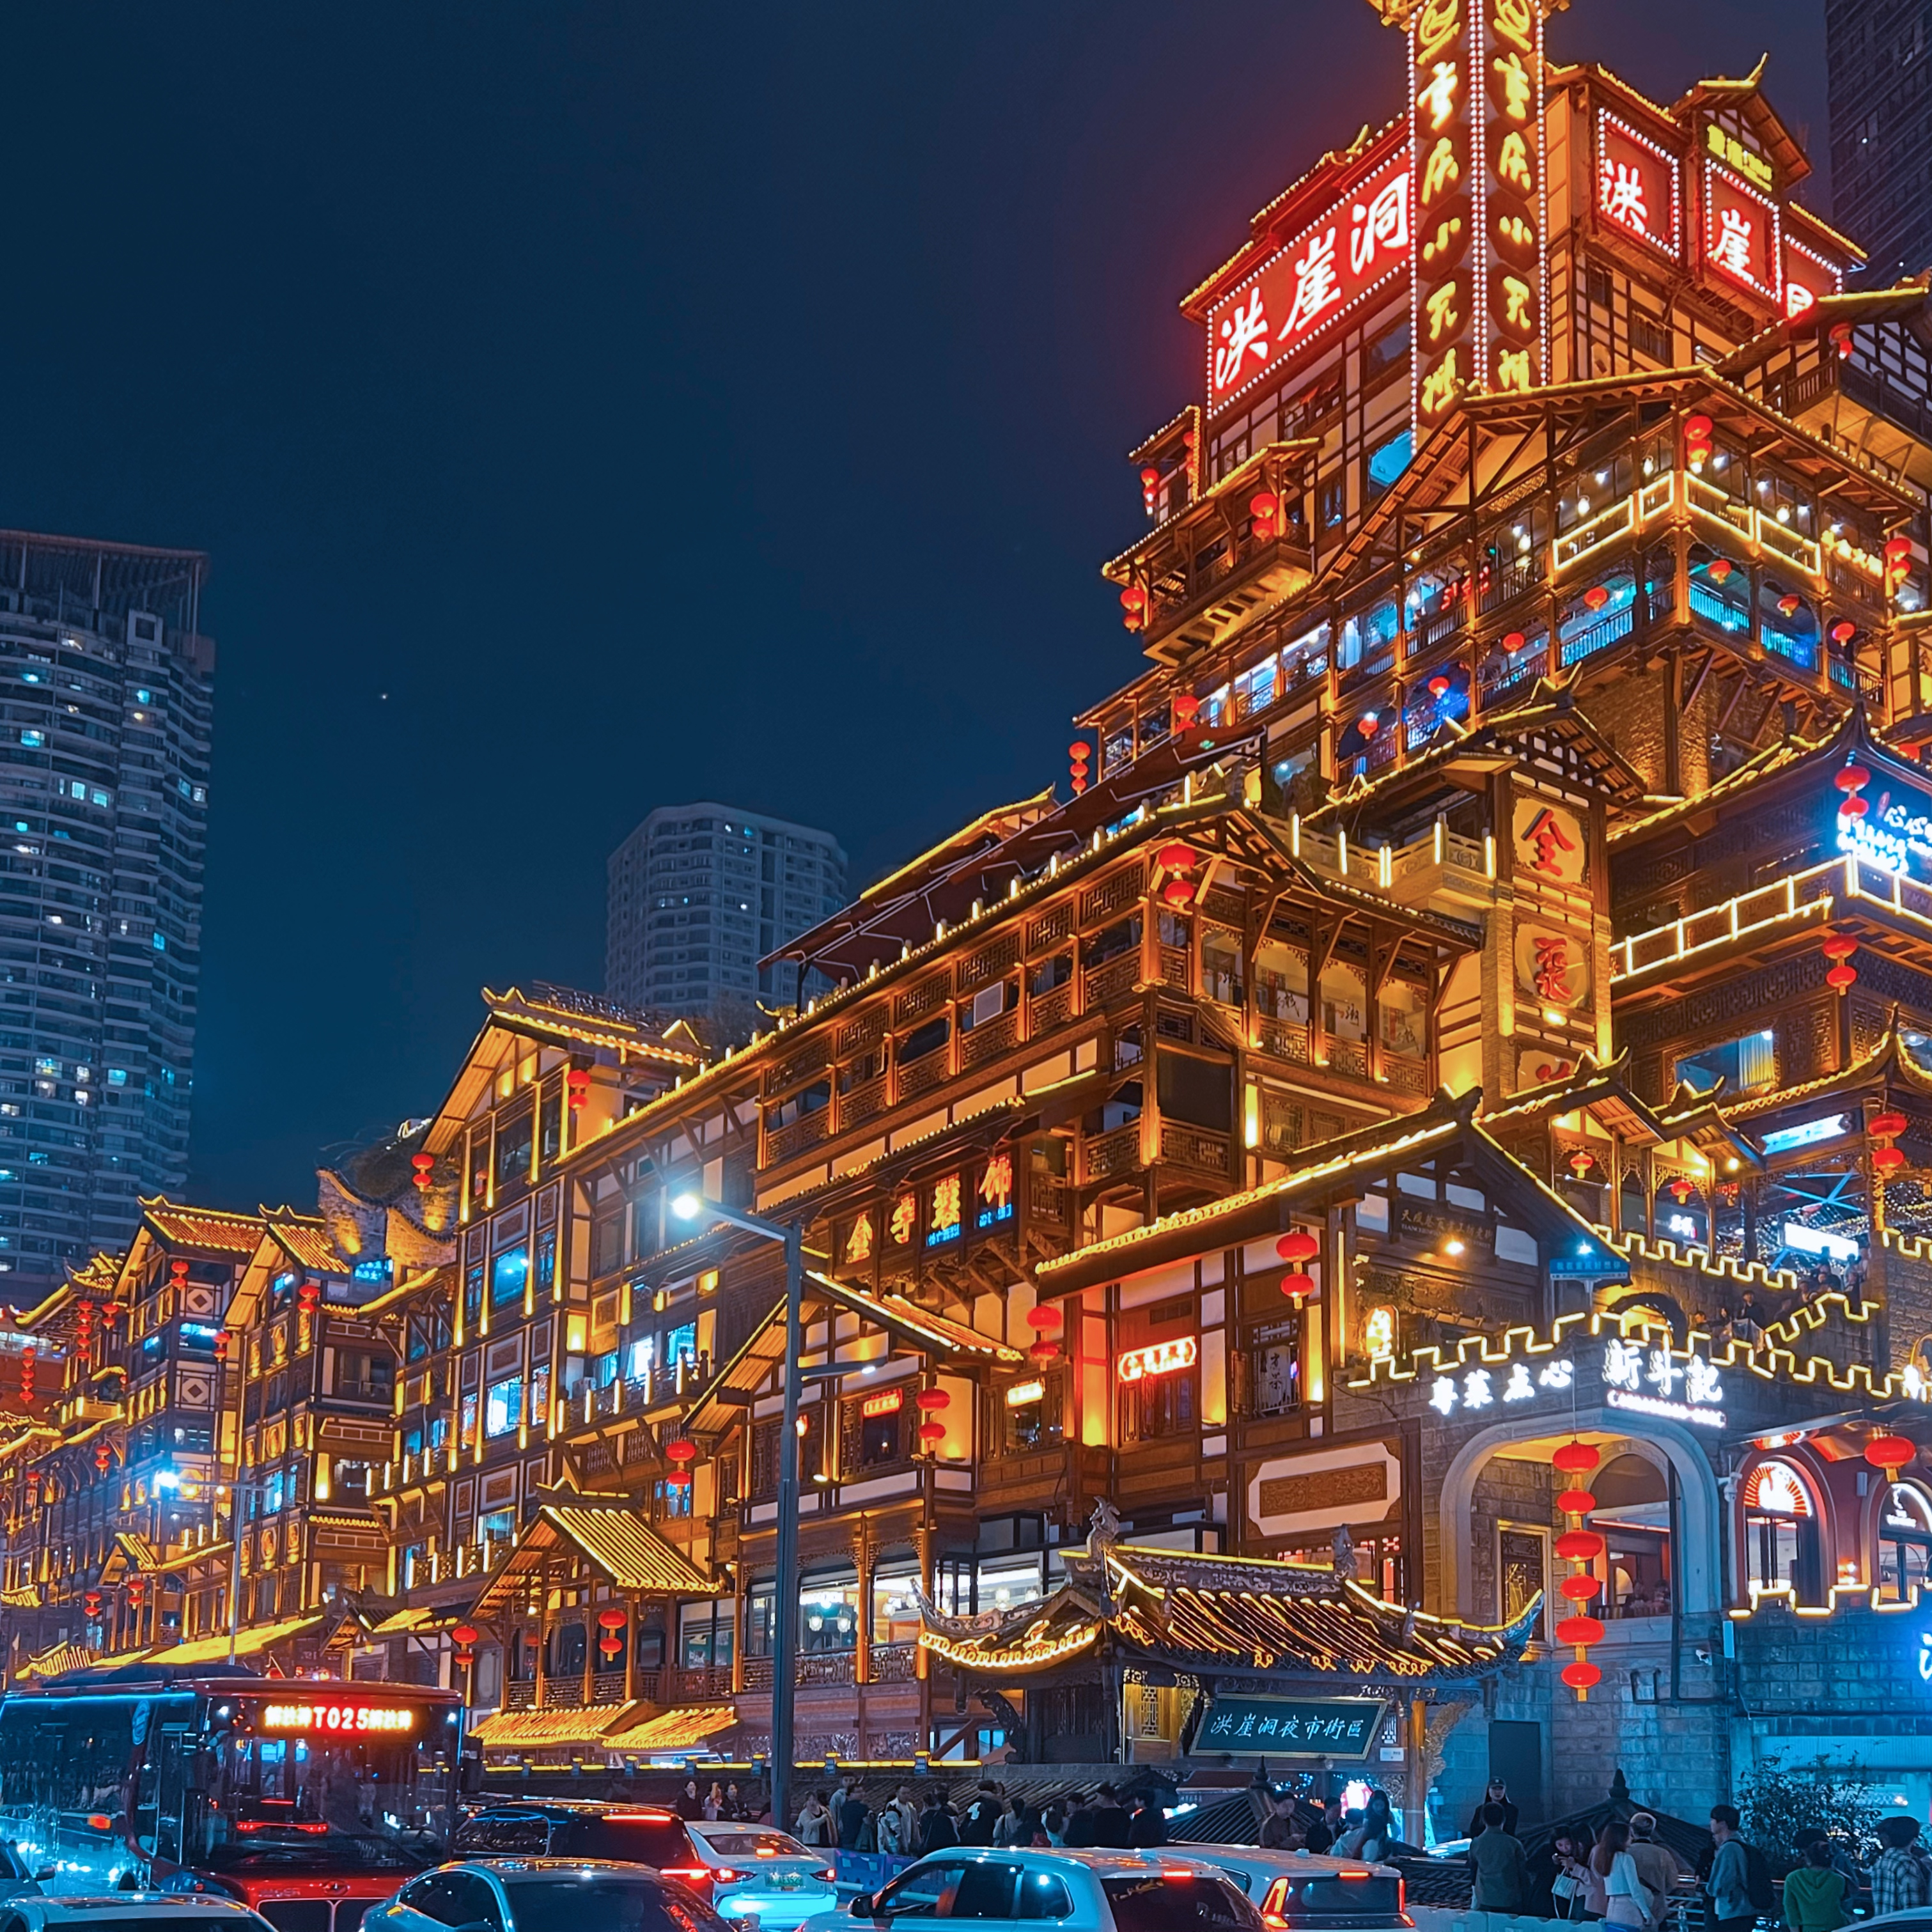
(1513, 641)
(466, 1635)
(1888, 1125)
(1840, 337)
(678, 1478)
(680, 1449)
(1133, 606)
(1838, 946)
(1853, 807)
(1680, 1192)
(1596, 597)
(934, 1400)
(1264, 509)
(309, 1296)
(1580, 1588)
(179, 1269)
(90, 1603)
(612, 1619)
(1043, 1318)
(1890, 1452)
(1043, 1354)
(1368, 725)
(932, 1431)
(1186, 709)
(1439, 686)
(422, 1163)
(1150, 484)
(1575, 1502)
(1887, 1160)
(577, 1082)
(1852, 777)
(1077, 753)
(1580, 1630)
(1581, 1162)
(27, 1373)
(1898, 562)
(1582, 1678)
(1178, 892)
(221, 1344)
(1788, 605)
(1576, 1459)
(1720, 569)
(137, 1590)
(104, 1457)
(1298, 1245)
(1298, 1287)
(1579, 1546)
(1843, 631)
(1841, 978)
(1178, 858)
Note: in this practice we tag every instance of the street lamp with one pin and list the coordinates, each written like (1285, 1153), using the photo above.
(687, 1206)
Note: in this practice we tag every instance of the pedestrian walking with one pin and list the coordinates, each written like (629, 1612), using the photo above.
(1501, 1875)
(1901, 1874)
(1817, 1895)
(1729, 1887)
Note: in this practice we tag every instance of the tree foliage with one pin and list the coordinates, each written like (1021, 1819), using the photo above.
(1780, 1805)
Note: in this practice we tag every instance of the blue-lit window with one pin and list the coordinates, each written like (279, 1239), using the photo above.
(117, 1076)
(508, 1274)
(1386, 463)
(503, 1406)
(681, 1346)
(33, 739)
(161, 946)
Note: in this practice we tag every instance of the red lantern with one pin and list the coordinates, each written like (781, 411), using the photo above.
(221, 1344)
(1150, 483)
(1439, 686)
(1838, 946)
(612, 1618)
(104, 1457)
(1043, 1354)
(1719, 570)
(1680, 1192)
(681, 1449)
(1133, 606)
(1852, 777)
(1842, 978)
(1298, 1287)
(1079, 752)
(932, 1431)
(1178, 858)
(1853, 807)
(1042, 1318)
(1298, 1245)
(1788, 605)
(1513, 641)
(1264, 507)
(1890, 1452)
(27, 1374)
(1580, 1630)
(1596, 597)
(1186, 708)
(1581, 1162)
(1368, 725)
(1887, 1160)
(1843, 631)
(1576, 1459)
(179, 1269)
(1841, 336)
(1888, 1125)
(467, 1635)
(137, 1589)
(1897, 562)
(1580, 1588)
(1575, 1502)
(678, 1479)
(91, 1603)
(934, 1399)
(1698, 428)
(1579, 1546)
(422, 1163)
(1178, 892)
(310, 1296)
(577, 1082)
(1580, 1677)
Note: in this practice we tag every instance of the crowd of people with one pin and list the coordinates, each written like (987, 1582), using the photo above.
(909, 1825)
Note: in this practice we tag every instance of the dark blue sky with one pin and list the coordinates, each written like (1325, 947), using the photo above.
(592, 407)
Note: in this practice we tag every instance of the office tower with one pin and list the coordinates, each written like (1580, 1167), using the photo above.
(103, 805)
(1881, 110)
(699, 894)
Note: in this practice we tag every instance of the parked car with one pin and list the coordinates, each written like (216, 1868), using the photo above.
(1084, 1891)
(1305, 1888)
(761, 1874)
(129, 1912)
(642, 1835)
(542, 1895)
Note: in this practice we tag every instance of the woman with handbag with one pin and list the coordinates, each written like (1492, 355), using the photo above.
(1627, 1899)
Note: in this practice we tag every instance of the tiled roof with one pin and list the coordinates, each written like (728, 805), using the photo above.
(248, 1642)
(309, 1246)
(619, 1543)
(672, 1730)
(510, 1730)
(203, 1227)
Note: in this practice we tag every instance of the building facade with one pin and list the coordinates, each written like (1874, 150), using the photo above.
(701, 895)
(1385, 1230)
(1880, 101)
(104, 762)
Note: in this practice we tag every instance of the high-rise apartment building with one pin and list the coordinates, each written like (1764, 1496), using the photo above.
(1879, 91)
(105, 705)
(699, 894)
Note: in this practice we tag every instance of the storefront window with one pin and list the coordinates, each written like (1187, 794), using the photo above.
(1008, 1582)
(704, 1637)
(1274, 1373)
(1632, 1515)
(1904, 1544)
(1780, 1532)
(759, 1622)
(1031, 1412)
(828, 1610)
(895, 1608)
(1344, 1005)
(1157, 1405)
(1281, 982)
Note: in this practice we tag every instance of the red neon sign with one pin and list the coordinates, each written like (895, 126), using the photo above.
(1808, 278)
(1740, 232)
(1301, 291)
(886, 1403)
(361, 1718)
(1158, 1358)
(1639, 186)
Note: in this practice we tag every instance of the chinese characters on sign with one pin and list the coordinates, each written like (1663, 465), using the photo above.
(1442, 146)
(1550, 842)
(1649, 1379)
(1338, 1727)
(1553, 968)
(1639, 186)
(996, 1191)
(1158, 1358)
(1318, 277)
(1741, 239)
(1509, 193)
(1808, 278)
(1482, 1388)
(1895, 835)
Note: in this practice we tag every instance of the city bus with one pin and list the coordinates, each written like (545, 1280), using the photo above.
(308, 1798)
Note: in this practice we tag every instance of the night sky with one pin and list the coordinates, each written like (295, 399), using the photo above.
(592, 407)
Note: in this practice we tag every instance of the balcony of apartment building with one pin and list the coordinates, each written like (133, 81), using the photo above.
(1198, 577)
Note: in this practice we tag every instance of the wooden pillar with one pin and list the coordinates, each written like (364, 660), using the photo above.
(543, 1633)
(862, 1654)
(587, 1596)
(1415, 1811)
(631, 1635)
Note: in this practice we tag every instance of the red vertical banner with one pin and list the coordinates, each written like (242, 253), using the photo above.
(1445, 336)
(1510, 192)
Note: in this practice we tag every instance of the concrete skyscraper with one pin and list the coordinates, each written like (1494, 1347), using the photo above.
(699, 894)
(104, 738)
(1879, 91)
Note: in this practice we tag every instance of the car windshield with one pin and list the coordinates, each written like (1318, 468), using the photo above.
(338, 1852)
(757, 1845)
(1164, 1902)
(608, 1901)
(631, 1838)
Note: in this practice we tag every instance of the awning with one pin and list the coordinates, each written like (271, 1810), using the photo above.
(248, 1642)
(548, 1730)
(26, 1597)
(404, 1622)
(632, 1556)
(129, 1555)
(186, 1559)
(674, 1730)
(63, 1657)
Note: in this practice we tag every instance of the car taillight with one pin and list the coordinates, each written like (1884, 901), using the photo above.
(724, 1872)
(689, 1873)
(830, 1872)
(1273, 1903)
(1182, 1873)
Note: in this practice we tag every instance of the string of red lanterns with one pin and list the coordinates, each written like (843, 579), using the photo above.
(1045, 1350)
(1297, 1248)
(1580, 1545)
(1697, 441)
(1077, 756)
(932, 1431)
(1133, 606)
(1838, 947)
(610, 1622)
(576, 1083)
(1264, 509)
(465, 1637)
(1885, 1128)
(1150, 483)
(422, 1163)
(680, 1453)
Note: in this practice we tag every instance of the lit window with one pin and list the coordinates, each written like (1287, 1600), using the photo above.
(503, 1406)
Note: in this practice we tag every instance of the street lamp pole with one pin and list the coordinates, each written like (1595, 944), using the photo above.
(791, 1236)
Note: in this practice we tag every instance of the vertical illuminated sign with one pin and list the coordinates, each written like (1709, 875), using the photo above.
(1476, 145)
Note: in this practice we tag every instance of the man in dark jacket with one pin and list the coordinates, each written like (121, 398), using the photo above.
(1079, 1835)
(1148, 1825)
(1111, 1825)
(936, 1830)
(850, 1812)
(1327, 1829)
(1497, 1794)
(982, 1816)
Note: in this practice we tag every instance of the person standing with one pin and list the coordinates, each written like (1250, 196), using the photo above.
(1079, 1832)
(1729, 1886)
(1657, 1864)
(1569, 1886)
(1148, 1825)
(1501, 1876)
(982, 1816)
(1627, 1899)
(887, 1833)
(1901, 1874)
(1817, 1894)
(689, 1804)
(1278, 1831)
(851, 1815)
(936, 1828)
(1112, 1825)
(1327, 1829)
(1496, 1792)
(815, 1821)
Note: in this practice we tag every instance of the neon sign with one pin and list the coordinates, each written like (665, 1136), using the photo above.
(1639, 186)
(1889, 835)
(887, 1403)
(1741, 238)
(1808, 278)
(1158, 1358)
(1299, 292)
(1807, 1133)
(1627, 1368)
(361, 1718)
(1021, 1393)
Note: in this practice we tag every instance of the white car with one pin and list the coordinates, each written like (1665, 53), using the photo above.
(542, 1895)
(763, 1875)
(1085, 1891)
(1307, 1888)
(129, 1912)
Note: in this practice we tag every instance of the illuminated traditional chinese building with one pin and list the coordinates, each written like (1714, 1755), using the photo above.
(1440, 1113)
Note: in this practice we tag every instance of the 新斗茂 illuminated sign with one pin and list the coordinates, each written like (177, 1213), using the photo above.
(1299, 293)
(1158, 1358)
(362, 1720)
(1648, 1380)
